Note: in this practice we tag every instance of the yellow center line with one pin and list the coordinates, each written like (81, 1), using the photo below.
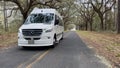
(20, 66)
(38, 59)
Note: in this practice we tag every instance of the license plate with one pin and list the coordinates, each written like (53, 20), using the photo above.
(31, 42)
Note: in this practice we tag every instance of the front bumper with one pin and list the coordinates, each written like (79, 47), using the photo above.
(45, 40)
(40, 42)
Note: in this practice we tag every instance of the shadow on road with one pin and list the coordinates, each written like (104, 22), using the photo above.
(35, 48)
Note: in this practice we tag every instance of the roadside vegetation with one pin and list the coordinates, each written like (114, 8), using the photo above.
(9, 38)
(105, 44)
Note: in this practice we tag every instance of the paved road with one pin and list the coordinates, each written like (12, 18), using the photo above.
(71, 52)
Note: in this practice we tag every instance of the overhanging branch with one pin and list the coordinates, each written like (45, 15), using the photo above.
(12, 12)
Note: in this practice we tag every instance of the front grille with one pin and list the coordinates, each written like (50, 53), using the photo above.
(27, 38)
(31, 38)
(36, 38)
(32, 32)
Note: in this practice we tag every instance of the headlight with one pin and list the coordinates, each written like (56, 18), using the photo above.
(49, 30)
(19, 31)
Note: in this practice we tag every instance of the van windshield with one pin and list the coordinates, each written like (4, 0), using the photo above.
(40, 18)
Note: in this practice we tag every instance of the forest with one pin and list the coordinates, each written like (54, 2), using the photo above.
(89, 15)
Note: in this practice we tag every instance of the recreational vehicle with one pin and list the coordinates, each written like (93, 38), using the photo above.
(43, 27)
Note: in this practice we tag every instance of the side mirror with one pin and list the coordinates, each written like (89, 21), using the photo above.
(56, 22)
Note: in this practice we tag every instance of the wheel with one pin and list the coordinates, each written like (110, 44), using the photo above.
(54, 42)
(52, 46)
(62, 36)
(24, 47)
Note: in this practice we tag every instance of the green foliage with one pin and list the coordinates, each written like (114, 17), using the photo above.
(70, 26)
(14, 25)
(96, 23)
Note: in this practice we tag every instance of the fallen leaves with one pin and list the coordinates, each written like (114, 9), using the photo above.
(106, 44)
(8, 39)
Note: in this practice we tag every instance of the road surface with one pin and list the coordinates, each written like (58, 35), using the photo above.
(71, 52)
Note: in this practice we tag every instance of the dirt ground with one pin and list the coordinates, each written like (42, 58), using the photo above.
(8, 40)
(105, 44)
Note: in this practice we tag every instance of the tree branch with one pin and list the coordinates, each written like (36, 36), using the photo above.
(12, 12)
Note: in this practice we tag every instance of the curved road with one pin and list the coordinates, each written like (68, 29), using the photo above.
(71, 52)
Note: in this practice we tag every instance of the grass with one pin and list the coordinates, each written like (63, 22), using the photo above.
(106, 44)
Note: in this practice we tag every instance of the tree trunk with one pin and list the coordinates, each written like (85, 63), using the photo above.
(5, 17)
(102, 25)
(105, 21)
(105, 27)
(90, 26)
(102, 22)
(24, 17)
(80, 27)
(118, 18)
(86, 26)
(65, 26)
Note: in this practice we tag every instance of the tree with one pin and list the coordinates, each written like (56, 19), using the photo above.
(68, 11)
(118, 18)
(87, 13)
(25, 6)
(5, 10)
(101, 7)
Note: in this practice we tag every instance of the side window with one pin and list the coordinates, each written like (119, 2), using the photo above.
(56, 20)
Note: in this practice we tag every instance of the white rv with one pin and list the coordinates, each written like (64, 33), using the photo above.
(43, 27)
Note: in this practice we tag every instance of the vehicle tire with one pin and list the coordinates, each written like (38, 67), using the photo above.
(54, 42)
(24, 47)
(52, 46)
(62, 36)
